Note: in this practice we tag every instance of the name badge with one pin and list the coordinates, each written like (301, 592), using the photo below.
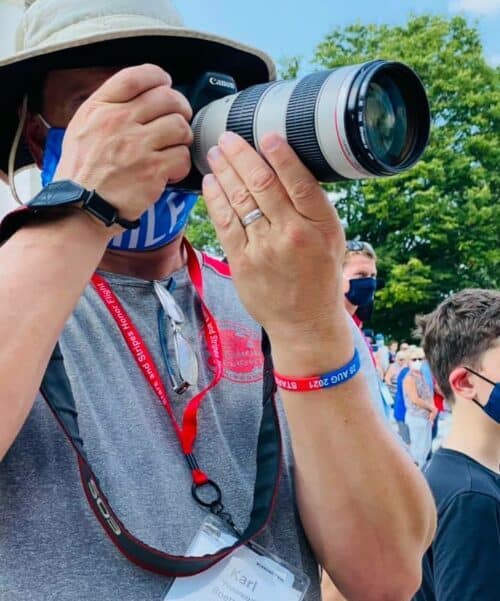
(248, 574)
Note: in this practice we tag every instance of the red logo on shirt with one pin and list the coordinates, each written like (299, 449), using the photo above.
(243, 360)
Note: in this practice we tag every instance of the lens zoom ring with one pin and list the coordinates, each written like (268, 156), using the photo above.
(242, 114)
(301, 125)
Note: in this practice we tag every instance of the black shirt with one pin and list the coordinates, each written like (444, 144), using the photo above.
(463, 563)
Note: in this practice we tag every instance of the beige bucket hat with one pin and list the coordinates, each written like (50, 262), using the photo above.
(58, 34)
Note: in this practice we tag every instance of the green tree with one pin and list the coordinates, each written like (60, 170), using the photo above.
(200, 231)
(436, 227)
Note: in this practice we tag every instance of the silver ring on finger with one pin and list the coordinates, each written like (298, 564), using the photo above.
(249, 218)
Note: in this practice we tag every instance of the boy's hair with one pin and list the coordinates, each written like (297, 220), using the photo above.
(458, 332)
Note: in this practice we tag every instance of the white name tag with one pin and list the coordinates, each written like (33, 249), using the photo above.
(248, 574)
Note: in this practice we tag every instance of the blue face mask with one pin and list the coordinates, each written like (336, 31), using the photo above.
(52, 153)
(361, 291)
(492, 407)
(160, 224)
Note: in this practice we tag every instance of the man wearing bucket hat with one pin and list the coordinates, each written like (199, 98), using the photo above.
(162, 396)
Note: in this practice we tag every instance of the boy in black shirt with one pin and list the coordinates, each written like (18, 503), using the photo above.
(461, 340)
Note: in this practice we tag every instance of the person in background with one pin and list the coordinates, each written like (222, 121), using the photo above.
(360, 284)
(461, 339)
(420, 409)
(382, 355)
(393, 349)
(392, 373)
(360, 279)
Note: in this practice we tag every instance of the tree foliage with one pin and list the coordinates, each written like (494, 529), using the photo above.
(435, 227)
(201, 232)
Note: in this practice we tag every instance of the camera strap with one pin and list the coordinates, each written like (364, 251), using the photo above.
(56, 390)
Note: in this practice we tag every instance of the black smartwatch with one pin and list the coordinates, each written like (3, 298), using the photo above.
(65, 193)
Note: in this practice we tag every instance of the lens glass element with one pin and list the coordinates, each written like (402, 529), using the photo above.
(386, 120)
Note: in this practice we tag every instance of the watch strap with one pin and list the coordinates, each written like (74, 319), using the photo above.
(61, 194)
(103, 210)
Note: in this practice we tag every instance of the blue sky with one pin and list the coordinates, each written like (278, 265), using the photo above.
(294, 27)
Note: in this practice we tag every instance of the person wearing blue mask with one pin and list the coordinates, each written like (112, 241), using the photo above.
(360, 279)
(461, 339)
(359, 274)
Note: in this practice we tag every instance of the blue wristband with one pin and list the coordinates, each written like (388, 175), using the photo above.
(328, 380)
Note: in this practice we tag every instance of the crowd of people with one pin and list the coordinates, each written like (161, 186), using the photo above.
(173, 426)
(418, 408)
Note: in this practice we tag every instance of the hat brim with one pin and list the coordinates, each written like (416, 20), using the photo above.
(184, 53)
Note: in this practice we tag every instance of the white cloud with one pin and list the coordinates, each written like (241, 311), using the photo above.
(480, 7)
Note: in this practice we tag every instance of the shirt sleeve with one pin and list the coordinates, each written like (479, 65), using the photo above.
(466, 550)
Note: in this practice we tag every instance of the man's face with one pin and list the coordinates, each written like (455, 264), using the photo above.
(65, 90)
(358, 266)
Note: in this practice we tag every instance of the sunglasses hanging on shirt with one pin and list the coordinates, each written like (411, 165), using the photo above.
(186, 361)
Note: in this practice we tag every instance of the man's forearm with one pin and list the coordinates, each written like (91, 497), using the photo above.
(43, 269)
(365, 507)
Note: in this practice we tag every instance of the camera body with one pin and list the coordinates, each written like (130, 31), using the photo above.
(210, 86)
(354, 122)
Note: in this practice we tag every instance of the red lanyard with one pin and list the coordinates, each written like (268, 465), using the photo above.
(188, 432)
(56, 389)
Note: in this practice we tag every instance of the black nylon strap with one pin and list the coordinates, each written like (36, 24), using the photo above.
(56, 389)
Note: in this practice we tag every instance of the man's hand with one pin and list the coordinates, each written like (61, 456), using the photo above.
(287, 265)
(129, 139)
